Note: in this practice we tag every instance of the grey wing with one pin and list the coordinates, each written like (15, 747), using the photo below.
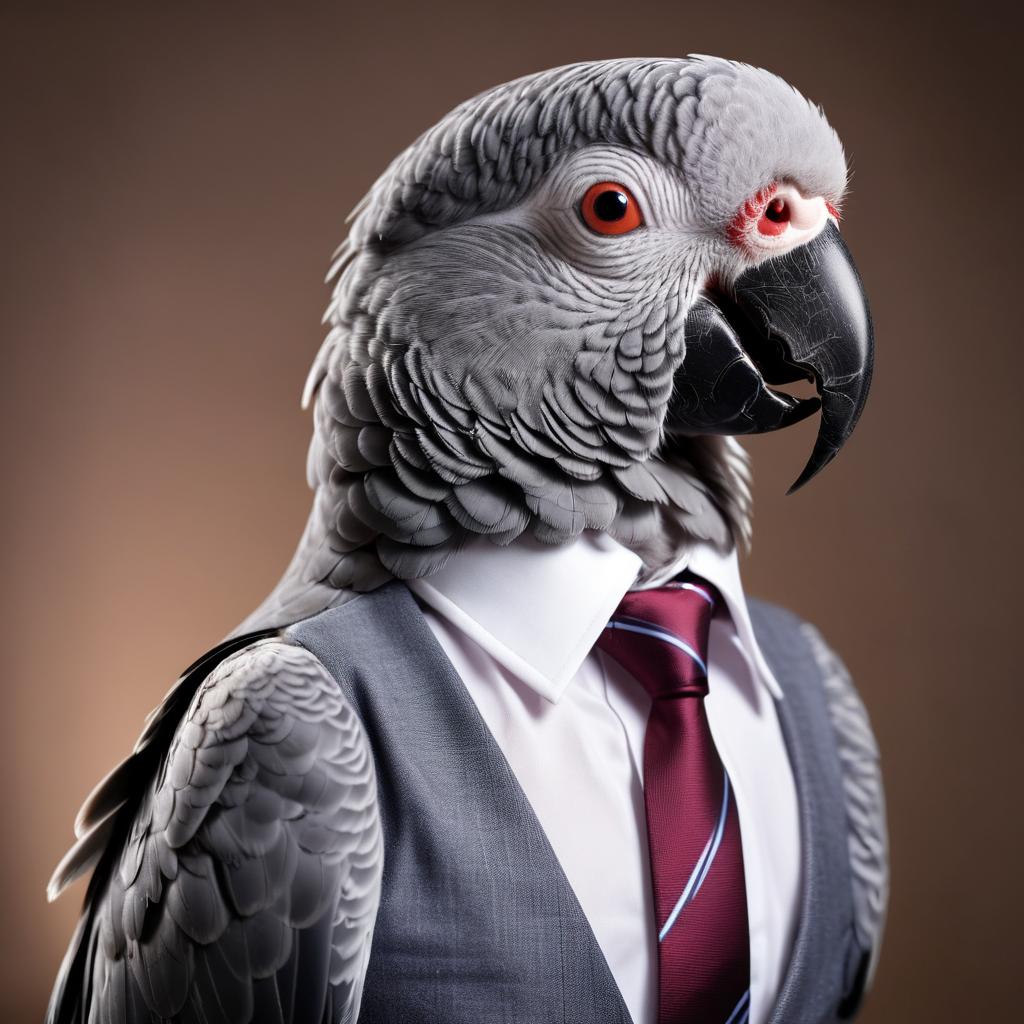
(248, 886)
(865, 798)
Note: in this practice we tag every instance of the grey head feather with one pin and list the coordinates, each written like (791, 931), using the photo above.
(492, 368)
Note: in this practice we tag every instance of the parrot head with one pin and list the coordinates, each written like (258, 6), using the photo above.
(556, 309)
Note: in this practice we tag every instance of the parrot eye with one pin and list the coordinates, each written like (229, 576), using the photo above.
(610, 209)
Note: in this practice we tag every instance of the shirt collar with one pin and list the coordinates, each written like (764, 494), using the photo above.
(538, 609)
(723, 570)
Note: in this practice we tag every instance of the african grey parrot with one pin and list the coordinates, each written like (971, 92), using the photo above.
(551, 314)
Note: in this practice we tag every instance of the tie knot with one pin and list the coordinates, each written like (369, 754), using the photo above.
(660, 637)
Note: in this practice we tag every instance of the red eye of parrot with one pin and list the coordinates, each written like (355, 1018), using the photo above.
(610, 209)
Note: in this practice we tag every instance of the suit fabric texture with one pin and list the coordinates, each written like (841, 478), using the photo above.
(477, 922)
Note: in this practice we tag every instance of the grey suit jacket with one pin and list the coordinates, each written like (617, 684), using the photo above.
(478, 923)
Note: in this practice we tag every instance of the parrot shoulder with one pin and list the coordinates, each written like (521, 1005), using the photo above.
(246, 873)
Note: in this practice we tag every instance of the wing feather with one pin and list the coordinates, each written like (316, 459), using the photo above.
(246, 884)
(865, 798)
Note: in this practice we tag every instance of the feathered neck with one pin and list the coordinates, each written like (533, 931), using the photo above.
(349, 545)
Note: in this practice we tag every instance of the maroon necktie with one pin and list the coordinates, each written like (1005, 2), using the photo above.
(661, 638)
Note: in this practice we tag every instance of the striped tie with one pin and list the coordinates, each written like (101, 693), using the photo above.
(661, 638)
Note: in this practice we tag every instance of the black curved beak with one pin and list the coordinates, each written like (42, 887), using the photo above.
(802, 316)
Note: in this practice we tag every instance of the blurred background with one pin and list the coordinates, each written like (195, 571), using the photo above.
(174, 178)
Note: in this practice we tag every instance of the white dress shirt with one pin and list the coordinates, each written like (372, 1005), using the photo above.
(519, 625)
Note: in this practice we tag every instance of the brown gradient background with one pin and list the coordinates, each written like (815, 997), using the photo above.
(174, 181)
